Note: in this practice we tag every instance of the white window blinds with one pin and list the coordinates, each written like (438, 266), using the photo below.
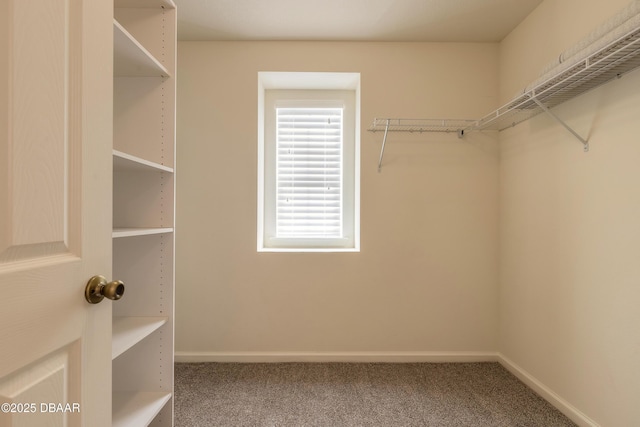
(309, 172)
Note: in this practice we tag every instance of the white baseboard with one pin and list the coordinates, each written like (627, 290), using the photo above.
(350, 357)
(546, 393)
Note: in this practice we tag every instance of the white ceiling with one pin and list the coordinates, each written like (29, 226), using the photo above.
(370, 20)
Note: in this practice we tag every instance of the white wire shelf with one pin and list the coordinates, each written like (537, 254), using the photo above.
(611, 61)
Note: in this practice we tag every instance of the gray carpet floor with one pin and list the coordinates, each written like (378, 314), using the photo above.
(357, 394)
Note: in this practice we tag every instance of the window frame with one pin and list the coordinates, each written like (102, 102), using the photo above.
(272, 96)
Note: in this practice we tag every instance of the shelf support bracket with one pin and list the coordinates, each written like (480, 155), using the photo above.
(384, 141)
(585, 143)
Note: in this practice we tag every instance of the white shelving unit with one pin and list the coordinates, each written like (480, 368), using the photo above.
(143, 211)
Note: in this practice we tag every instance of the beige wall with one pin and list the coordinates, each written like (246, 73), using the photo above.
(426, 277)
(570, 229)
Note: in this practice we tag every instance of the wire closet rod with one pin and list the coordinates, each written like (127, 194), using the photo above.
(387, 125)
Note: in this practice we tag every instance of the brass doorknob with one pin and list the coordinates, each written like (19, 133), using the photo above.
(98, 288)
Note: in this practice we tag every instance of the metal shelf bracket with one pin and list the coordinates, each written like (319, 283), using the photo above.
(544, 108)
(384, 141)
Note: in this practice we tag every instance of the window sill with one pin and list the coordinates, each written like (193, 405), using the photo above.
(308, 249)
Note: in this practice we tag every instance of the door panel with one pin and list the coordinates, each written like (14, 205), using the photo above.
(41, 129)
(31, 392)
(39, 121)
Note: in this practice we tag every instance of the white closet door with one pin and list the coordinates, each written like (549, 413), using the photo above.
(55, 211)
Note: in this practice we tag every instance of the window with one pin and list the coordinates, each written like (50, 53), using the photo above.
(308, 170)
(309, 182)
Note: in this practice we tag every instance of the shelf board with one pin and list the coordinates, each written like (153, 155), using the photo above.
(134, 232)
(131, 59)
(137, 409)
(127, 162)
(167, 4)
(128, 331)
